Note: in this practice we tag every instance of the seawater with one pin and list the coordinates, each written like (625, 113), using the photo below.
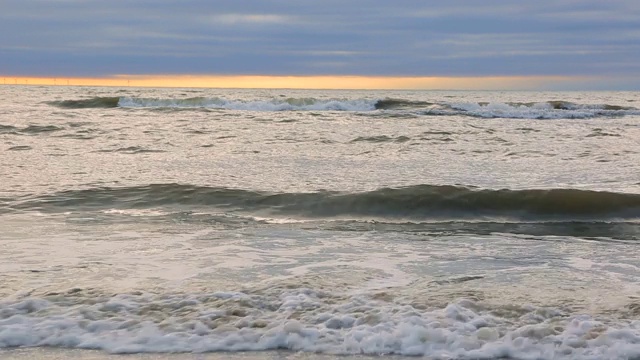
(449, 225)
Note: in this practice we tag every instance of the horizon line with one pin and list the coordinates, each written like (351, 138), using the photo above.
(319, 82)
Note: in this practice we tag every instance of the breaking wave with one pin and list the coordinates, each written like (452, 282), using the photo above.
(309, 320)
(420, 202)
(278, 104)
(288, 104)
(96, 102)
(540, 110)
(395, 104)
(510, 110)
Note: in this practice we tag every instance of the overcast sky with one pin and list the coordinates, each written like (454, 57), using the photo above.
(328, 37)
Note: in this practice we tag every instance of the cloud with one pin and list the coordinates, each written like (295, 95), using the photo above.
(358, 37)
(251, 19)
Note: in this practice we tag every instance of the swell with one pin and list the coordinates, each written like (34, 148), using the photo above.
(420, 202)
(555, 109)
(552, 109)
(274, 104)
(215, 102)
(29, 129)
(395, 104)
(96, 102)
(602, 231)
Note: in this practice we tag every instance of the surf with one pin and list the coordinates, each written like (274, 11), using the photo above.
(421, 202)
(552, 109)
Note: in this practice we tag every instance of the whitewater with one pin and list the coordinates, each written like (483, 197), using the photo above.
(272, 224)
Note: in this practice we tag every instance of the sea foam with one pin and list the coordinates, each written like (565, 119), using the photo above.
(541, 110)
(308, 320)
(553, 109)
(289, 104)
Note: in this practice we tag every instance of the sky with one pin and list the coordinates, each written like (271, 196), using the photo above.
(544, 43)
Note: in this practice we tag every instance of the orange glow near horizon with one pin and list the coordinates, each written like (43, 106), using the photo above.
(306, 82)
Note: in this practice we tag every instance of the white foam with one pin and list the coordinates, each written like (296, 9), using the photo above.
(543, 110)
(302, 104)
(270, 220)
(307, 320)
(136, 212)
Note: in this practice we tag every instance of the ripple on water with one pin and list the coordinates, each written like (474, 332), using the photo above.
(20, 148)
(131, 150)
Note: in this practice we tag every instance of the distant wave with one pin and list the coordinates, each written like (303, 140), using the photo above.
(555, 109)
(7, 129)
(394, 104)
(96, 102)
(540, 110)
(277, 104)
(29, 129)
(381, 139)
(421, 202)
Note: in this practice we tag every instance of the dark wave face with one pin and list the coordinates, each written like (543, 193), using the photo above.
(7, 129)
(97, 102)
(395, 104)
(29, 129)
(565, 105)
(421, 202)
(553, 109)
(275, 104)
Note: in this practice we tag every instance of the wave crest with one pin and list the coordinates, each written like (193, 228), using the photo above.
(540, 110)
(277, 104)
(286, 104)
(396, 104)
(96, 102)
(555, 109)
(421, 202)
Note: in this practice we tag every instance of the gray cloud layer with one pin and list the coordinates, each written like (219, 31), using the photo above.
(374, 37)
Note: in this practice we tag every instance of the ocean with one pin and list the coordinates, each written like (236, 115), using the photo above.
(308, 224)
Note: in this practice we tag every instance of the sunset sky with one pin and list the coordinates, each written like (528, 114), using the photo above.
(559, 44)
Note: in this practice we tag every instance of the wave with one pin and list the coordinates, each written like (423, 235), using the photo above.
(287, 316)
(539, 110)
(277, 104)
(7, 129)
(554, 109)
(96, 102)
(381, 139)
(29, 129)
(595, 230)
(39, 129)
(421, 202)
(132, 150)
(395, 104)
(286, 104)
(20, 148)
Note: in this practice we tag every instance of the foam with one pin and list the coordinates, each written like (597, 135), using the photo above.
(556, 109)
(136, 212)
(307, 320)
(290, 104)
(542, 110)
